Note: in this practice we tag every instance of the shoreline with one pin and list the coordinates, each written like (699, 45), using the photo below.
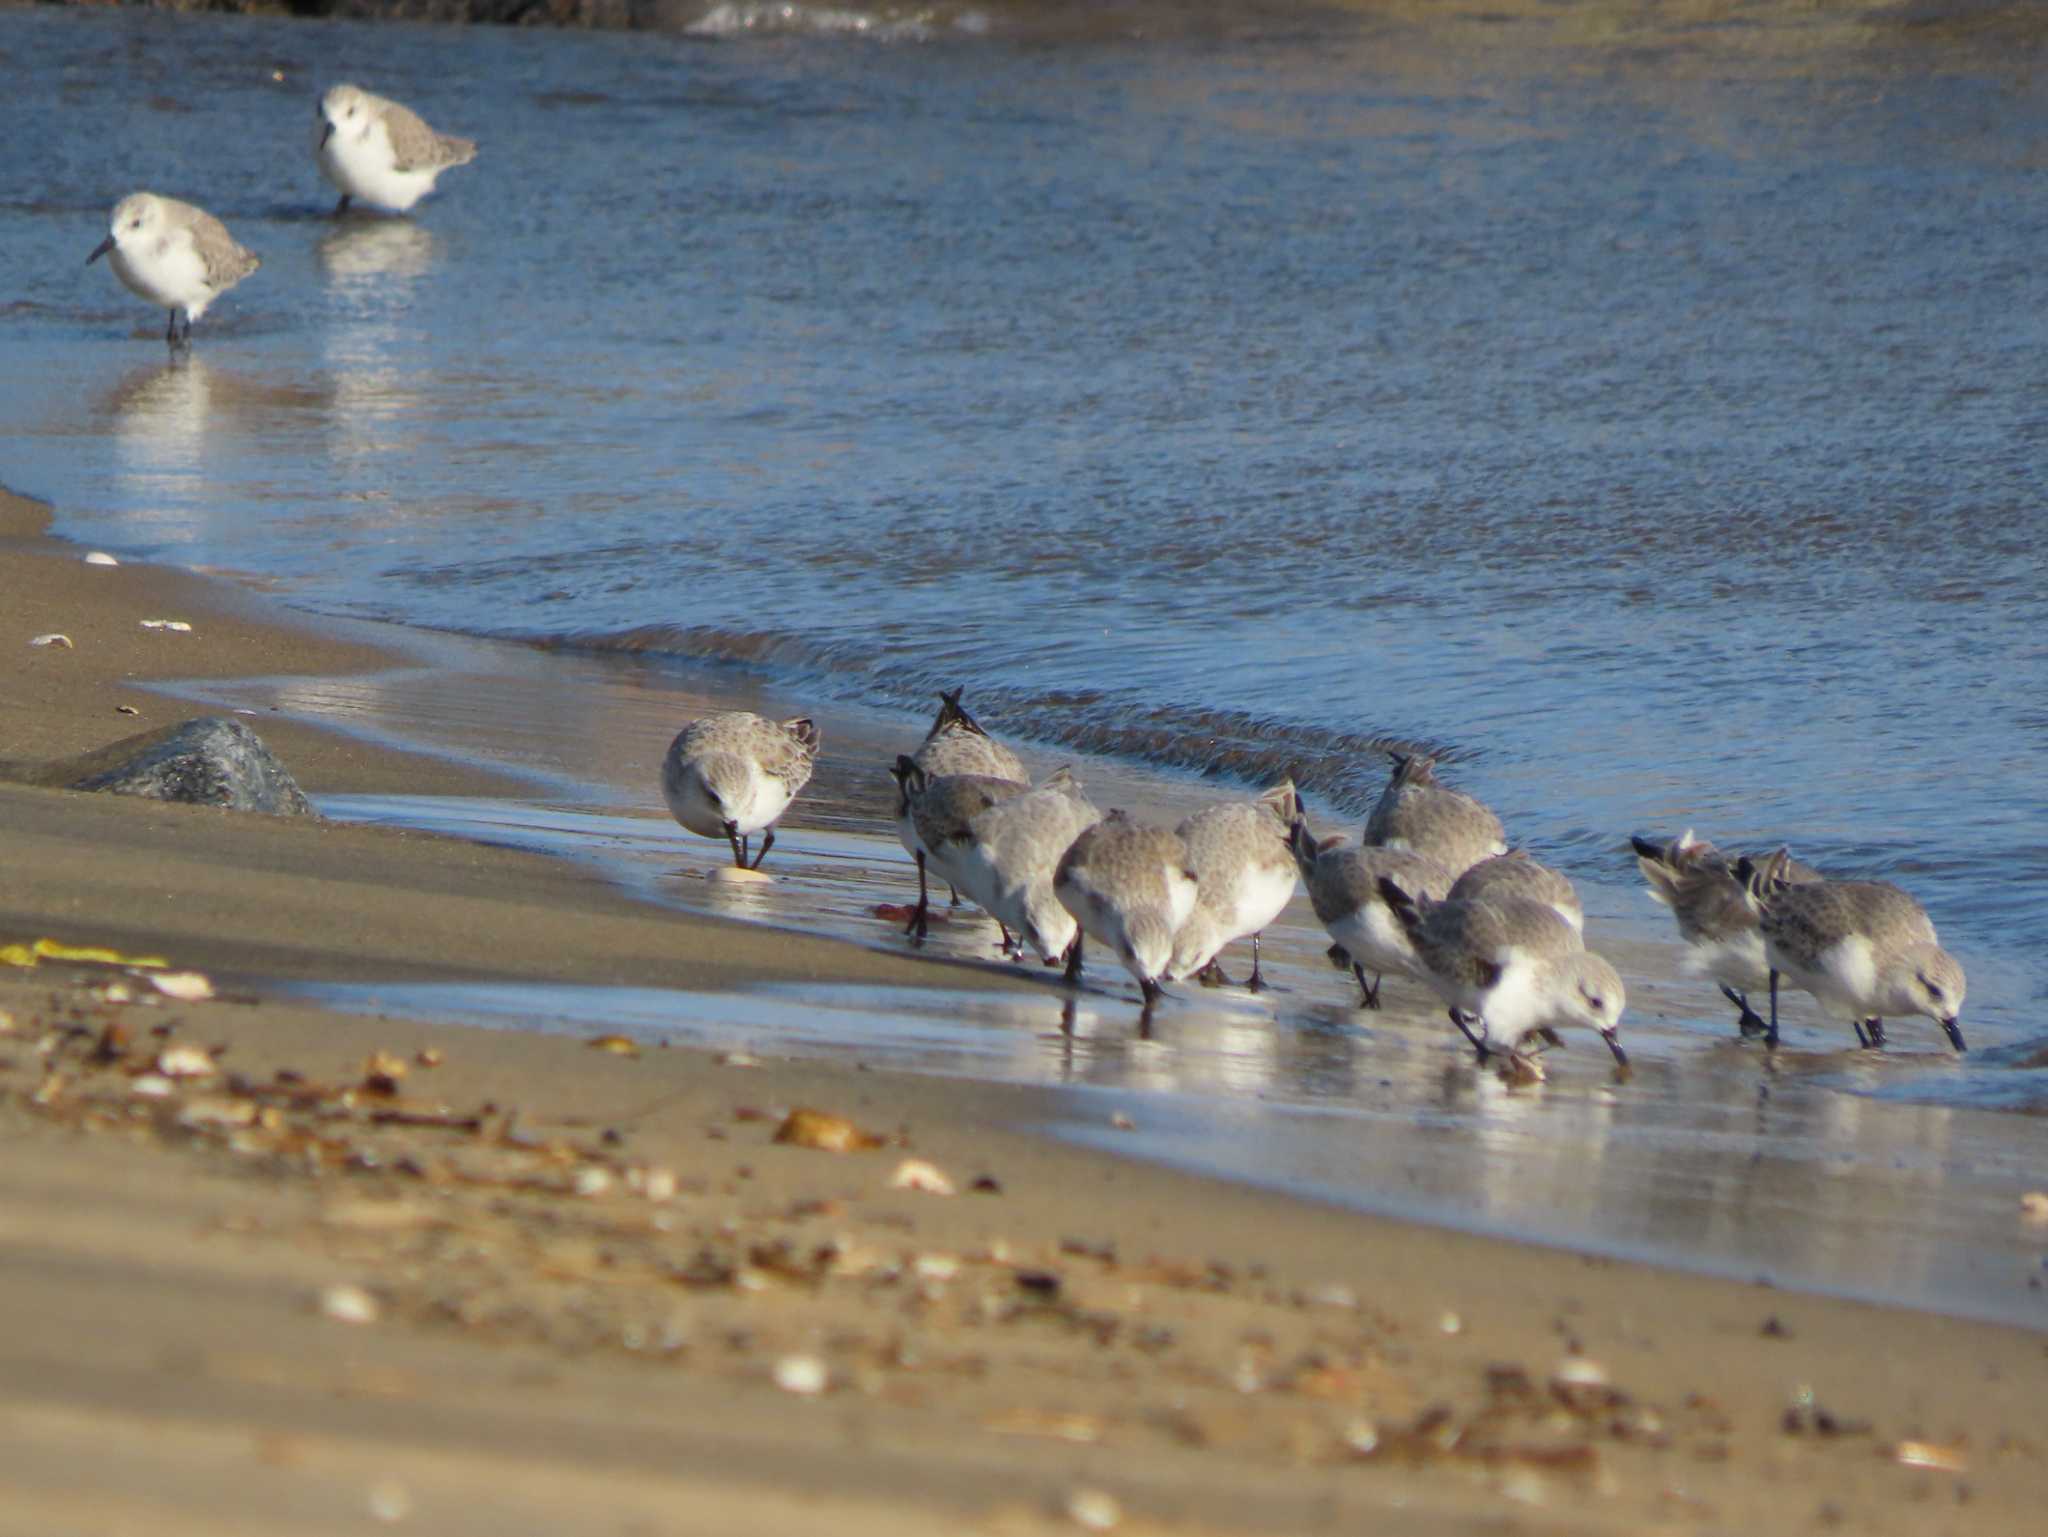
(1212, 1355)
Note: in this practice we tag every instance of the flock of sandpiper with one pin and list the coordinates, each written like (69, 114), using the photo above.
(1432, 893)
(181, 257)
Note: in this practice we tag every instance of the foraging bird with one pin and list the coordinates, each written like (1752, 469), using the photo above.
(1130, 887)
(1864, 949)
(956, 744)
(1714, 916)
(932, 817)
(1344, 889)
(1419, 813)
(1244, 876)
(734, 773)
(175, 255)
(1007, 854)
(381, 151)
(1512, 967)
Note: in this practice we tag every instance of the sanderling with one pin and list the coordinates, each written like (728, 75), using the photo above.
(1722, 941)
(732, 774)
(1418, 813)
(1129, 886)
(956, 744)
(1244, 875)
(173, 254)
(935, 810)
(1516, 874)
(1864, 949)
(1511, 966)
(1344, 889)
(380, 151)
(1005, 858)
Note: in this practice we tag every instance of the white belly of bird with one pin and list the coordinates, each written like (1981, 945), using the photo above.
(764, 800)
(1843, 979)
(167, 272)
(1373, 939)
(1739, 962)
(1517, 1003)
(365, 167)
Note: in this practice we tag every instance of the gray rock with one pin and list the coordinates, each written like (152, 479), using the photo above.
(207, 761)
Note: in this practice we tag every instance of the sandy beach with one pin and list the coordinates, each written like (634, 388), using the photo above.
(273, 1265)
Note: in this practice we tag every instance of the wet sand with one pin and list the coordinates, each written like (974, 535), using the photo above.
(588, 1267)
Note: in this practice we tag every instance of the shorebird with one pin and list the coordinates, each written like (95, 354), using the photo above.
(1864, 949)
(1418, 813)
(956, 744)
(380, 151)
(1244, 875)
(1516, 874)
(936, 811)
(173, 254)
(733, 774)
(1715, 919)
(1006, 856)
(1512, 967)
(1344, 889)
(1129, 886)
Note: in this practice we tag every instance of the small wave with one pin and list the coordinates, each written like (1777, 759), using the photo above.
(1345, 770)
(887, 24)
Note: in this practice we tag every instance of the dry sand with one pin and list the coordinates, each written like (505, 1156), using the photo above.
(587, 1268)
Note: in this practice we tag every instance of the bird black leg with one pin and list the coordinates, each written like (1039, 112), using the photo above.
(1750, 1023)
(767, 843)
(1212, 975)
(1372, 988)
(1151, 992)
(1011, 951)
(1073, 971)
(952, 896)
(1255, 982)
(739, 847)
(341, 207)
(1459, 1018)
(1771, 1031)
(917, 914)
(1871, 1032)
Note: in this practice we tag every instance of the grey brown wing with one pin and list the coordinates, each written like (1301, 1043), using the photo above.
(226, 261)
(416, 147)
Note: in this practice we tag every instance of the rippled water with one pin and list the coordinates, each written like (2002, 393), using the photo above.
(1655, 425)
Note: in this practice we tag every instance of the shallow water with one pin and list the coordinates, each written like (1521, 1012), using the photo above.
(1652, 425)
(1866, 1175)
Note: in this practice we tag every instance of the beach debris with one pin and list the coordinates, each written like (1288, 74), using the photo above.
(1052, 1424)
(591, 1180)
(1122, 1122)
(126, 709)
(616, 1045)
(209, 760)
(186, 1062)
(1805, 1415)
(824, 1131)
(916, 1174)
(735, 875)
(1930, 1455)
(1450, 1323)
(185, 986)
(348, 1304)
(737, 1059)
(2034, 1206)
(1094, 1510)
(6, 1023)
(37, 950)
(152, 1086)
(1581, 1385)
(804, 1375)
(176, 626)
(383, 1072)
(100, 558)
(429, 1056)
(903, 912)
(986, 1184)
(62, 642)
(390, 1501)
